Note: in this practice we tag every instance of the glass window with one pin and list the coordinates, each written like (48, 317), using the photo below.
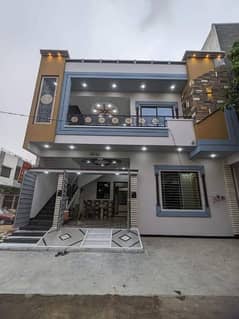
(5, 171)
(103, 190)
(46, 99)
(156, 111)
(180, 190)
(17, 172)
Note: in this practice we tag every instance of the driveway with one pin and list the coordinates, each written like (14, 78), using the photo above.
(169, 266)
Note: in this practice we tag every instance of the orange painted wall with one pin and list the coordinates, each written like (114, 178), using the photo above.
(53, 66)
(198, 66)
(212, 127)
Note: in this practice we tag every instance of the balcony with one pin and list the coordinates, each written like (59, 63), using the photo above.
(117, 120)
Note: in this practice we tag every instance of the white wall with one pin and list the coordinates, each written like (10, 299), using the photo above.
(10, 161)
(126, 68)
(218, 224)
(45, 187)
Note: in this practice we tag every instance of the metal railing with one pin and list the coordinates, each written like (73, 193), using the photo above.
(117, 120)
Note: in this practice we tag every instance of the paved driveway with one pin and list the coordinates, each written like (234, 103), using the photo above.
(206, 267)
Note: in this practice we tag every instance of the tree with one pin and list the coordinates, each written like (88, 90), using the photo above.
(233, 91)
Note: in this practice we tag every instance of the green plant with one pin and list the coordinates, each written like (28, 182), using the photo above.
(233, 91)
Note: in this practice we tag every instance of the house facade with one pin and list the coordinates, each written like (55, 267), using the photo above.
(132, 144)
(12, 168)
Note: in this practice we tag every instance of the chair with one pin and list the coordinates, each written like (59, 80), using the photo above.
(97, 208)
(105, 206)
(88, 208)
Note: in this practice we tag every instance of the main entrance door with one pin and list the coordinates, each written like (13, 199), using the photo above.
(97, 199)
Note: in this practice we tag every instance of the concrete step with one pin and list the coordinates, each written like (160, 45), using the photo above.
(20, 240)
(28, 233)
(35, 227)
(43, 222)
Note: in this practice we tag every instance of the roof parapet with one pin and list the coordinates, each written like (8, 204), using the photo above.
(55, 53)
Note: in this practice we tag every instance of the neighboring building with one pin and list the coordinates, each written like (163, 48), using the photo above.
(221, 37)
(12, 168)
(115, 149)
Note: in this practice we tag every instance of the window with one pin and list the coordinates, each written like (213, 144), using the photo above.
(181, 191)
(103, 190)
(46, 100)
(17, 172)
(5, 171)
(156, 110)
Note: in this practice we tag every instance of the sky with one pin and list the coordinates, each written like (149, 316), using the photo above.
(113, 29)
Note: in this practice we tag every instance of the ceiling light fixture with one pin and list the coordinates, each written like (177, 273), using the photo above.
(78, 173)
(172, 87)
(213, 155)
(143, 86)
(117, 173)
(123, 168)
(144, 148)
(72, 147)
(108, 148)
(88, 162)
(114, 162)
(46, 145)
(114, 85)
(179, 149)
(104, 109)
(46, 172)
(84, 85)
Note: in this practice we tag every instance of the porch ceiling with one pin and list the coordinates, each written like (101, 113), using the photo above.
(62, 149)
(162, 84)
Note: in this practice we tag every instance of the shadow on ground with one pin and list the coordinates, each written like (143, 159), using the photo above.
(118, 307)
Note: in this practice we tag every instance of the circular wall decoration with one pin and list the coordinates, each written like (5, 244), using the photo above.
(141, 120)
(88, 120)
(115, 120)
(74, 119)
(46, 99)
(101, 120)
(128, 121)
(155, 121)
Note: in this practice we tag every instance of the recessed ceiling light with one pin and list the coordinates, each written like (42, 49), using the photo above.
(108, 148)
(72, 147)
(123, 168)
(98, 105)
(213, 155)
(88, 162)
(109, 105)
(114, 111)
(117, 173)
(114, 85)
(179, 149)
(194, 55)
(172, 87)
(46, 172)
(46, 145)
(102, 165)
(84, 84)
(143, 86)
(114, 162)
(94, 111)
(78, 173)
(144, 148)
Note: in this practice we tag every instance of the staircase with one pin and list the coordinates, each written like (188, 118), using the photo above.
(43, 220)
(36, 228)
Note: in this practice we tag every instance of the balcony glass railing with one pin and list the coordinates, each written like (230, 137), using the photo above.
(117, 120)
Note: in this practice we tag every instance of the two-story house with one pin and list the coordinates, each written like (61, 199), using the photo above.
(125, 144)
